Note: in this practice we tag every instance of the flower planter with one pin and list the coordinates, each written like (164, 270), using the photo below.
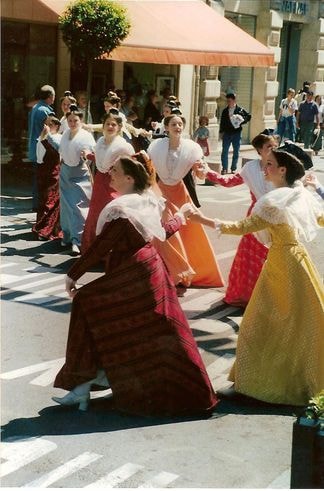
(307, 457)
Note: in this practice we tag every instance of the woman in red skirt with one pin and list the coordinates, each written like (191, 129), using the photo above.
(108, 148)
(128, 326)
(251, 252)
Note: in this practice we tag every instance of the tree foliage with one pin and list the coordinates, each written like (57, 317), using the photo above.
(94, 27)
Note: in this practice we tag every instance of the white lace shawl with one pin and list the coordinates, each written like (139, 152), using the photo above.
(189, 153)
(253, 176)
(106, 154)
(142, 210)
(70, 150)
(295, 206)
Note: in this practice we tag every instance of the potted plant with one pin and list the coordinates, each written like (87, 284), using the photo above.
(307, 459)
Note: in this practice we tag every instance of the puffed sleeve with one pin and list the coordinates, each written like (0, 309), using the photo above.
(99, 249)
(226, 181)
(251, 224)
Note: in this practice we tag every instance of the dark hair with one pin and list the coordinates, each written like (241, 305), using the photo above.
(231, 95)
(111, 115)
(151, 93)
(203, 119)
(132, 167)
(55, 120)
(144, 159)
(73, 109)
(176, 110)
(113, 111)
(260, 140)
(112, 97)
(68, 95)
(174, 100)
(294, 168)
(168, 119)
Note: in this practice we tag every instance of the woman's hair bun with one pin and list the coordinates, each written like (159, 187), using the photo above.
(73, 107)
(113, 111)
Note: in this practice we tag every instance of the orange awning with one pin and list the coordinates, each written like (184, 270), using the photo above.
(176, 32)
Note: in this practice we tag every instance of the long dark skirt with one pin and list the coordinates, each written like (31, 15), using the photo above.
(130, 323)
(47, 224)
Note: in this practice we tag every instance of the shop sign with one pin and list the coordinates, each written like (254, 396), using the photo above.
(290, 6)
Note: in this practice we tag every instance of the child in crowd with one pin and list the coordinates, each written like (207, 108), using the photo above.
(201, 135)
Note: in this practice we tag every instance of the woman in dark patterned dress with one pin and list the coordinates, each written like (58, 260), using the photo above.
(128, 326)
(47, 226)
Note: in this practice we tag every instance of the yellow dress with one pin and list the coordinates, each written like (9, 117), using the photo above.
(280, 348)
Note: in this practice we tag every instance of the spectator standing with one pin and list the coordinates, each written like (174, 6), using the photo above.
(232, 119)
(151, 111)
(286, 117)
(318, 132)
(38, 116)
(307, 112)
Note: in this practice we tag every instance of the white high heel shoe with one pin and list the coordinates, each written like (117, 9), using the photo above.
(81, 393)
(72, 399)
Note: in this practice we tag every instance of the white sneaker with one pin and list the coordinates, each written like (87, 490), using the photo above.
(75, 249)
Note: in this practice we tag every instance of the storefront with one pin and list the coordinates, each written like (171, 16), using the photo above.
(26, 61)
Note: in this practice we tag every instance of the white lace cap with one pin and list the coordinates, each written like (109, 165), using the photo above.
(295, 206)
(142, 210)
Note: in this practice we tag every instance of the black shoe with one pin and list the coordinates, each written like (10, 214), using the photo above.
(223, 172)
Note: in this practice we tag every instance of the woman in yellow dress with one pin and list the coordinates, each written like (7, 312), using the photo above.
(280, 347)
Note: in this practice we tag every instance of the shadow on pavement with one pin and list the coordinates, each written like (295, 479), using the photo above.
(101, 417)
(240, 404)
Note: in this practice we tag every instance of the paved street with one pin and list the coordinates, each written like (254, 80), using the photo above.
(245, 444)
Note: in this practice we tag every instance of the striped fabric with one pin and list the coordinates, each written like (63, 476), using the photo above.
(129, 322)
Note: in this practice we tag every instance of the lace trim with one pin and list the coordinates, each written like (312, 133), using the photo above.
(119, 212)
(271, 214)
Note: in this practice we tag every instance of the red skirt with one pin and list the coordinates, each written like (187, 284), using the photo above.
(130, 323)
(246, 268)
(102, 194)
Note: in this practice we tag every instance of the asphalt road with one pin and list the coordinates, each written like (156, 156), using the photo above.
(244, 444)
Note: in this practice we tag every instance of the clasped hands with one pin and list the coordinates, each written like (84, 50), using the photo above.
(190, 212)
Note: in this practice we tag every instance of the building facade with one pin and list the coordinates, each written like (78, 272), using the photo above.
(34, 54)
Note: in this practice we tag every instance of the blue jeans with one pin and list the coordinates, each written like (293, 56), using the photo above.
(287, 124)
(229, 139)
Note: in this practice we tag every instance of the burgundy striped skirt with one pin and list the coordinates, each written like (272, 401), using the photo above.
(130, 323)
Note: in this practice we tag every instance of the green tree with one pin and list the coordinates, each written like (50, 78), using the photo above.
(92, 28)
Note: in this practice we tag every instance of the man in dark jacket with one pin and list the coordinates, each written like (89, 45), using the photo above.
(232, 119)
